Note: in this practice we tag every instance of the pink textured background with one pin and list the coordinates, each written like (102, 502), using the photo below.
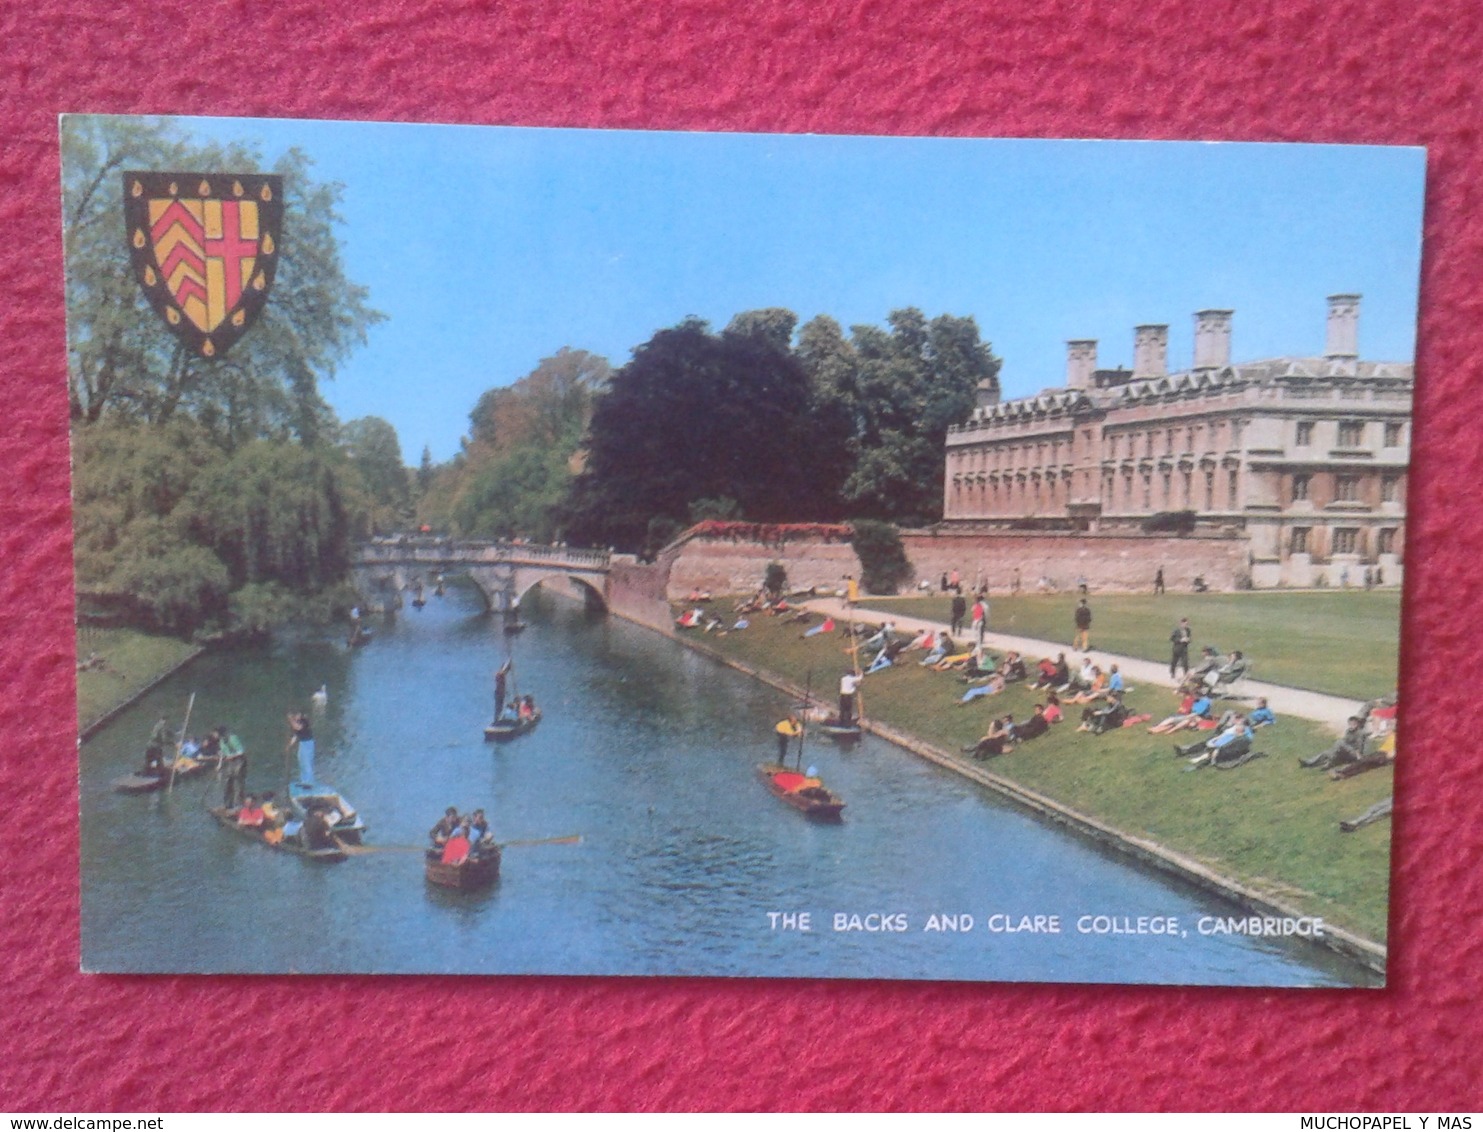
(1300, 70)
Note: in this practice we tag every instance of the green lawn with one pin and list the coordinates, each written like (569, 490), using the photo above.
(1343, 643)
(134, 659)
(1268, 823)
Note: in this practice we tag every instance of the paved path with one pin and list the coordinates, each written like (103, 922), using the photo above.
(1333, 711)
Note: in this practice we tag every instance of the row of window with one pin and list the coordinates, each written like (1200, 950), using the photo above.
(1351, 434)
(1344, 540)
(1346, 488)
(1125, 444)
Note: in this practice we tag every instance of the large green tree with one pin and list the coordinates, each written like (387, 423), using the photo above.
(123, 361)
(517, 462)
(907, 386)
(376, 454)
(694, 416)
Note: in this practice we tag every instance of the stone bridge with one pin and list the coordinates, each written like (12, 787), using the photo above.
(384, 569)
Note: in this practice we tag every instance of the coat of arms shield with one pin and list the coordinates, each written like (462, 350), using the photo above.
(205, 248)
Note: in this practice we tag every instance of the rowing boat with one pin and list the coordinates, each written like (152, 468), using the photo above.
(477, 871)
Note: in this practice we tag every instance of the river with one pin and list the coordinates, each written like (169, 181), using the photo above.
(648, 751)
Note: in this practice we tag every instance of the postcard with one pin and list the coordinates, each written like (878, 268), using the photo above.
(530, 551)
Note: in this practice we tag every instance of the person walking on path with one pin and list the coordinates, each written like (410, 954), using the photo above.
(1083, 639)
(980, 618)
(851, 591)
(1180, 639)
(960, 607)
(1158, 581)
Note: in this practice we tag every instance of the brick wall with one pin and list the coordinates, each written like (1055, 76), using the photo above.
(637, 591)
(1109, 561)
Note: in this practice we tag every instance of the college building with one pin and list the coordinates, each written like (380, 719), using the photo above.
(1304, 458)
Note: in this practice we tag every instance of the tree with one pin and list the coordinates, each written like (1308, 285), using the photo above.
(517, 463)
(121, 358)
(908, 386)
(693, 416)
(376, 455)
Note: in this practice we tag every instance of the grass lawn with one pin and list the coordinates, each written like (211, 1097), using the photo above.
(1344, 643)
(1268, 823)
(134, 659)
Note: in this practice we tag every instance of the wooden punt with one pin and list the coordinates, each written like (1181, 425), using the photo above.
(292, 843)
(806, 795)
(503, 730)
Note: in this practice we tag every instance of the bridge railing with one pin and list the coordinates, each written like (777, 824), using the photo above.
(436, 550)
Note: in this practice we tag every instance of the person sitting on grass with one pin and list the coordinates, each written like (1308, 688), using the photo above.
(1045, 674)
(1014, 668)
(1261, 715)
(1194, 681)
(1229, 748)
(980, 664)
(886, 657)
(1094, 689)
(1227, 673)
(990, 687)
(824, 626)
(997, 740)
(1106, 718)
(880, 638)
(926, 639)
(1053, 712)
(1167, 724)
(952, 660)
(1115, 680)
(1349, 749)
(938, 652)
(1062, 678)
(1192, 710)
(1034, 727)
(1382, 755)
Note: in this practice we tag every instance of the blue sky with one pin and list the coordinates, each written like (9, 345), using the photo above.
(490, 248)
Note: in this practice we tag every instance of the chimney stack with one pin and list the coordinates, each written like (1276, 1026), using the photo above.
(1212, 339)
(1081, 362)
(1343, 331)
(1150, 351)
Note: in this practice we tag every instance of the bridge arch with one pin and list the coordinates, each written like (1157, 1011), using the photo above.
(503, 572)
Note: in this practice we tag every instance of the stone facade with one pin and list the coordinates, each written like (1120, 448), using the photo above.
(1304, 458)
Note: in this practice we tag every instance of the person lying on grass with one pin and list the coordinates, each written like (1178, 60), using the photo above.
(1192, 711)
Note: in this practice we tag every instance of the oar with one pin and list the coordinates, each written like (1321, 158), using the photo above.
(571, 839)
(364, 850)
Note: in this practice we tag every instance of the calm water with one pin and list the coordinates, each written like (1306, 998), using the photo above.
(649, 752)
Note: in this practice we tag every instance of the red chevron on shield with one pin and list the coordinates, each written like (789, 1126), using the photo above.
(205, 249)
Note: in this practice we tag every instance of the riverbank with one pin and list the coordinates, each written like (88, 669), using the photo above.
(133, 663)
(1265, 836)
